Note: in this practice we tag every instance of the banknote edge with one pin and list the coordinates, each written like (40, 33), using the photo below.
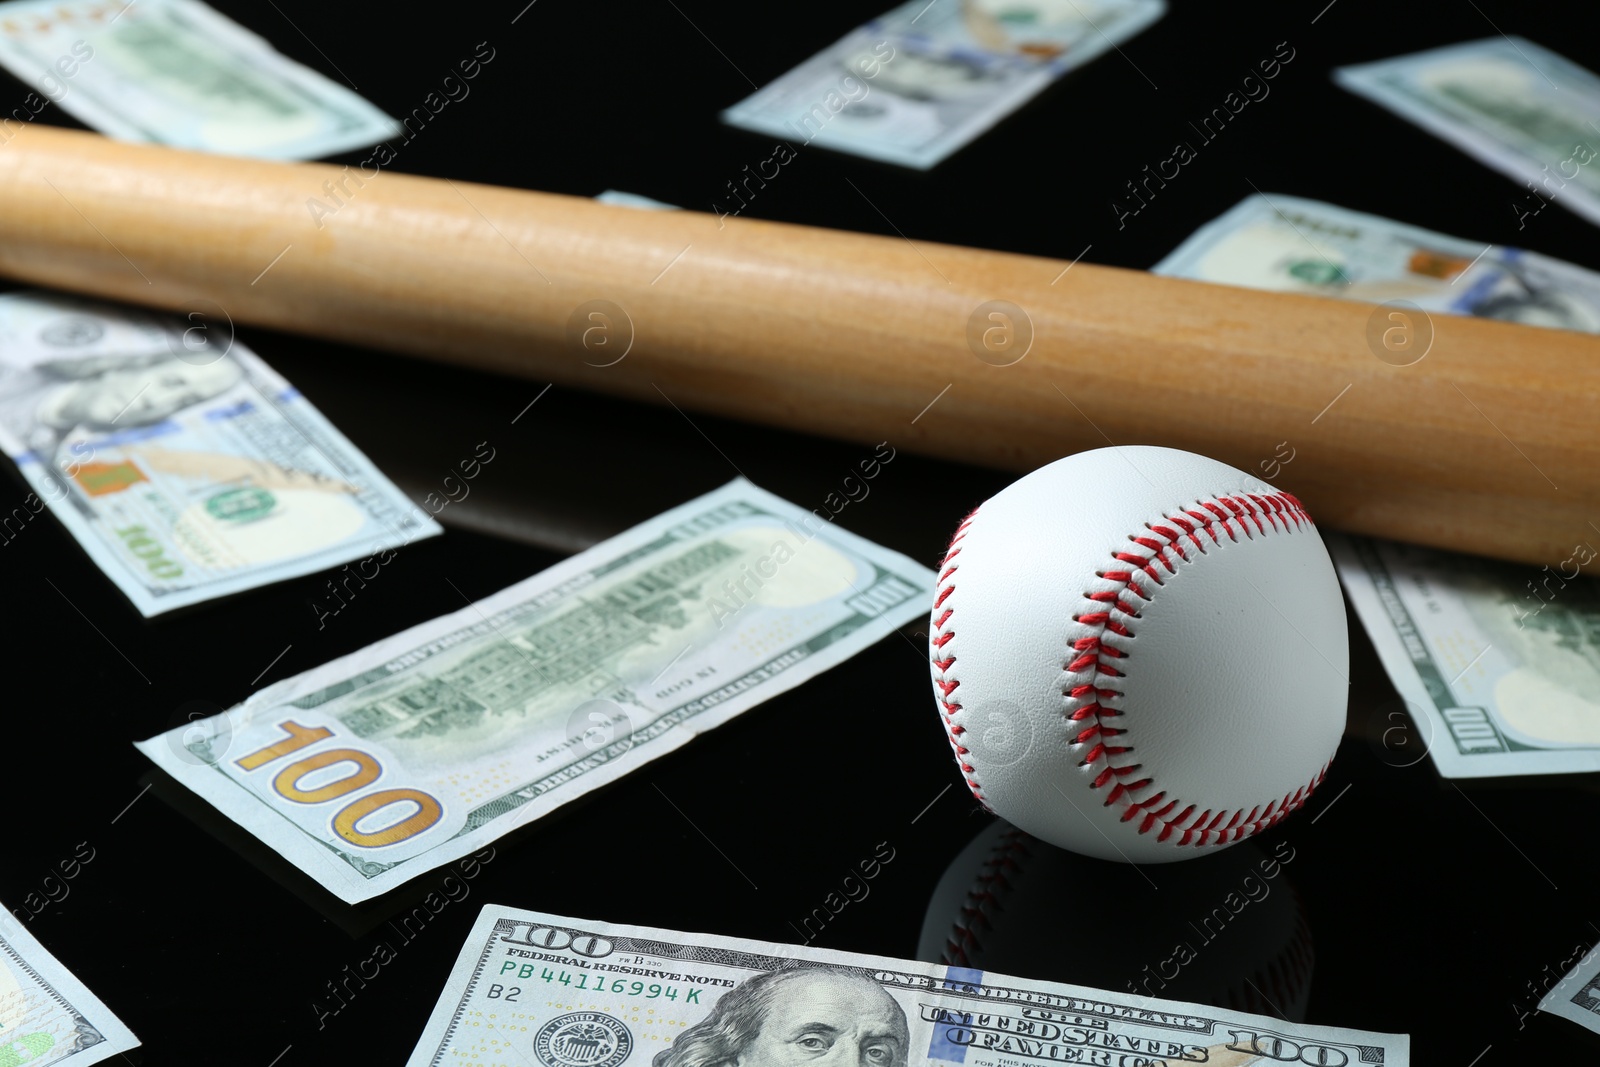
(70, 991)
(310, 855)
(1362, 80)
(491, 915)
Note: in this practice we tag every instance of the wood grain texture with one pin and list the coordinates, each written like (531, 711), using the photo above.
(1490, 444)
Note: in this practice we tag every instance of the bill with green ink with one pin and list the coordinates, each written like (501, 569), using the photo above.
(922, 81)
(182, 464)
(1500, 662)
(381, 765)
(47, 1016)
(1577, 995)
(536, 990)
(175, 72)
(1510, 104)
(1294, 245)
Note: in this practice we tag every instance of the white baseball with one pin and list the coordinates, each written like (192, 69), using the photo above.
(1140, 654)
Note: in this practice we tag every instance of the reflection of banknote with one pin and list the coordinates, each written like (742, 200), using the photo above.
(1502, 661)
(1512, 105)
(475, 723)
(177, 73)
(46, 1015)
(921, 81)
(187, 469)
(1304, 246)
(1577, 996)
(538, 989)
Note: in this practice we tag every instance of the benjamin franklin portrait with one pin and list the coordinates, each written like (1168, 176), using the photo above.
(109, 393)
(45, 404)
(799, 1017)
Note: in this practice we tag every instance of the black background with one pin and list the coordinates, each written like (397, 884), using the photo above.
(1431, 907)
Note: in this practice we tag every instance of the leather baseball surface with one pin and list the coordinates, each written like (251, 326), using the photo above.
(1140, 654)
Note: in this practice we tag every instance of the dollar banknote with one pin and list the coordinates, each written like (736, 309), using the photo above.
(177, 73)
(1577, 995)
(1290, 244)
(1509, 103)
(919, 82)
(534, 990)
(621, 199)
(184, 465)
(384, 764)
(46, 1015)
(1499, 661)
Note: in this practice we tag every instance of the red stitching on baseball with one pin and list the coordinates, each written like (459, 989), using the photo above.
(941, 636)
(994, 879)
(1278, 510)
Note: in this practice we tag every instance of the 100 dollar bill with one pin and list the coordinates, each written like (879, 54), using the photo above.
(534, 990)
(1577, 995)
(1290, 244)
(1501, 662)
(175, 72)
(1507, 102)
(384, 764)
(46, 1015)
(921, 81)
(185, 466)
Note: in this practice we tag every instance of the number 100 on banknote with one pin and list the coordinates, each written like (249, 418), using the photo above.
(535, 990)
(416, 751)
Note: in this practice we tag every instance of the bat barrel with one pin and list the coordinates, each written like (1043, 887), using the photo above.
(1488, 443)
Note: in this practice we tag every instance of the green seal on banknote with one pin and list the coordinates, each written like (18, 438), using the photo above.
(241, 505)
(1314, 272)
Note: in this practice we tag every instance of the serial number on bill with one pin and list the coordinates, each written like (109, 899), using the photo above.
(649, 991)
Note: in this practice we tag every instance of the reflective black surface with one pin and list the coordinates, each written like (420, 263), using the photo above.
(1418, 905)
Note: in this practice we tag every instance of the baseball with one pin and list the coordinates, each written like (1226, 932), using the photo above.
(1140, 654)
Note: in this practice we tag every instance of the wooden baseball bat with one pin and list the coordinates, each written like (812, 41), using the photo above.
(1488, 444)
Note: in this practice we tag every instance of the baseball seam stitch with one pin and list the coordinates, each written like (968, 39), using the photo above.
(1086, 699)
(941, 632)
(993, 878)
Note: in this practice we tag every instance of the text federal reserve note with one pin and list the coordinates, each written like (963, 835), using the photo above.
(1290, 244)
(46, 1015)
(177, 73)
(921, 81)
(532, 990)
(184, 466)
(1577, 996)
(1500, 661)
(380, 766)
(1507, 102)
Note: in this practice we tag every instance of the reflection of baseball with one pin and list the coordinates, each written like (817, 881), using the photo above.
(1228, 930)
(1169, 635)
